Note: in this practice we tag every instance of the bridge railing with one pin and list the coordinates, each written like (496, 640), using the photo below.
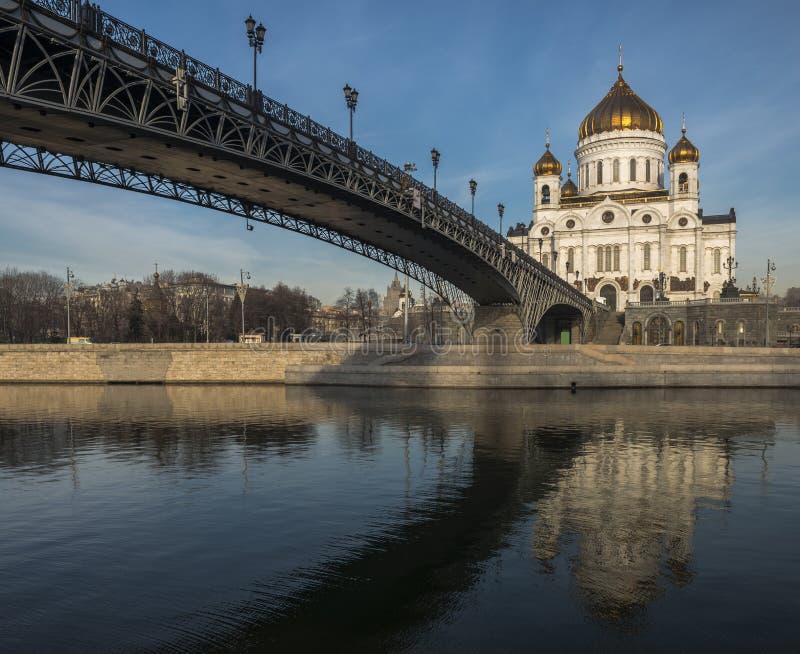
(90, 18)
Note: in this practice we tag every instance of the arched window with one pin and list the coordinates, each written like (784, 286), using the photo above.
(599, 259)
(546, 194)
(696, 335)
(636, 334)
(608, 258)
(599, 172)
(740, 333)
(660, 175)
(616, 170)
(646, 294)
(678, 336)
(586, 176)
(719, 331)
(717, 261)
(646, 257)
(616, 257)
(546, 260)
(633, 170)
(683, 183)
(682, 257)
(647, 170)
(571, 260)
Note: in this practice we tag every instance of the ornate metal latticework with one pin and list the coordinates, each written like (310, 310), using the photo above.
(36, 160)
(75, 59)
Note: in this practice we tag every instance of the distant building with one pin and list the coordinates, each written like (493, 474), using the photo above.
(395, 299)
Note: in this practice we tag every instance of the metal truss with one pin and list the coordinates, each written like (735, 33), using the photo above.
(72, 57)
(37, 160)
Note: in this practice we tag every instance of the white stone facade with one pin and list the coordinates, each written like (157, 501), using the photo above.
(624, 225)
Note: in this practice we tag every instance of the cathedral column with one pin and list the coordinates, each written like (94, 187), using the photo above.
(583, 258)
(699, 254)
(631, 297)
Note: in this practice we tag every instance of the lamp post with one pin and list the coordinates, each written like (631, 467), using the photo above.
(501, 209)
(730, 265)
(208, 323)
(661, 282)
(768, 281)
(473, 186)
(435, 156)
(255, 37)
(408, 167)
(68, 289)
(241, 289)
(351, 99)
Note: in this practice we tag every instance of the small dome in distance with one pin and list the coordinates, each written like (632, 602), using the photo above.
(569, 190)
(684, 150)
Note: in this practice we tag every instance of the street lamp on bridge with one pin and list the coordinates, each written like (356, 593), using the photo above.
(501, 209)
(435, 156)
(473, 186)
(351, 99)
(255, 37)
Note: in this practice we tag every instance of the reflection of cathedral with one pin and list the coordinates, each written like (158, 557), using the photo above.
(631, 502)
(619, 226)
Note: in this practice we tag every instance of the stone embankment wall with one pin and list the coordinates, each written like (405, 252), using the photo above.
(559, 366)
(161, 363)
(486, 365)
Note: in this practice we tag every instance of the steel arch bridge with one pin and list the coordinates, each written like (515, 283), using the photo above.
(86, 96)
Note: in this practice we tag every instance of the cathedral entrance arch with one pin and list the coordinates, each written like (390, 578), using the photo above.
(609, 292)
(646, 294)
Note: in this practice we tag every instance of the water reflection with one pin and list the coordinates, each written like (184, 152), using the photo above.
(631, 501)
(344, 515)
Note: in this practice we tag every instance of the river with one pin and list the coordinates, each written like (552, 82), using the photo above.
(271, 518)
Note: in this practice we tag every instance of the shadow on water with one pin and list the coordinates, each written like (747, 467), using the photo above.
(604, 485)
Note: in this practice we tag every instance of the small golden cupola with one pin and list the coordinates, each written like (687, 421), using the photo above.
(569, 190)
(547, 164)
(684, 150)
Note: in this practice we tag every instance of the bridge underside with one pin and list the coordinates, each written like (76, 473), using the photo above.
(257, 183)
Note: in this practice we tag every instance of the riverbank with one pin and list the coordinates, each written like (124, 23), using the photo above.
(558, 366)
(353, 364)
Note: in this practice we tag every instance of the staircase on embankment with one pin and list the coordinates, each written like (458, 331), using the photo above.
(610, 326)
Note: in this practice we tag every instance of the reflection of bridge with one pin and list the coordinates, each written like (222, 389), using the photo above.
(88, 97)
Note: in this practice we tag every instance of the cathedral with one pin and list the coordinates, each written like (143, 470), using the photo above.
(618, 231)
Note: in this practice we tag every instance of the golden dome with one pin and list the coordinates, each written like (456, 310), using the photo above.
(684, 151)
(547, 164)
(620, 109)
(569, 190)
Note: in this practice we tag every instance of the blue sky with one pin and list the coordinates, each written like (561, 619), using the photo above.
(480, 81)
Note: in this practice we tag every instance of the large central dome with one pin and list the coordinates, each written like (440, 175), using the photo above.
(620, 109)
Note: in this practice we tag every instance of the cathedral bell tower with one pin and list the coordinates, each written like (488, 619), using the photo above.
(684, 162)
(546, 180)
